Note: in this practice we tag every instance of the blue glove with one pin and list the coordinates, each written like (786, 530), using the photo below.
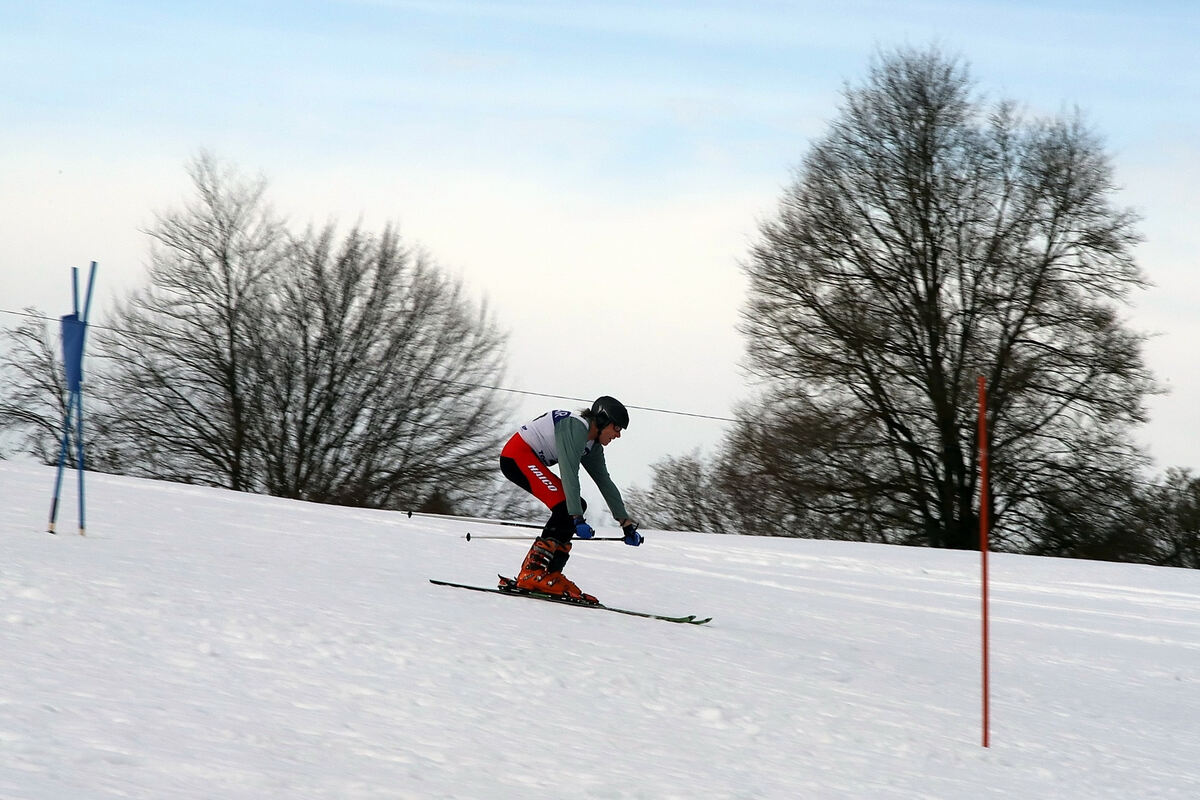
(632, 537)
(582, 529)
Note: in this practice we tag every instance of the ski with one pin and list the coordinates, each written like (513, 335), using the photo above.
(689, 619)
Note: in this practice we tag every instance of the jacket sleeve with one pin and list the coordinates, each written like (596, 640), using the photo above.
(594, 463)
(570, 436)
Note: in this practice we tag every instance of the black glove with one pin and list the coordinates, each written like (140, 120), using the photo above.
(632, 537)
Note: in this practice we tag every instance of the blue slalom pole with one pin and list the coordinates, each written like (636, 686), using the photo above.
(74, 333)
(87, 303)
(66, 439)
(79, 460)
(87, 307)
(62, 457)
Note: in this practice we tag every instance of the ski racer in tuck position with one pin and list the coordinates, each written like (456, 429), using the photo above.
(570, 440)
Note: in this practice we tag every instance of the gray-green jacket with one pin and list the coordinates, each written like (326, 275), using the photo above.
(560, 437)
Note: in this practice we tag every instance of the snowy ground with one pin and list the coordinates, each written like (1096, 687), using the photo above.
(206, 644)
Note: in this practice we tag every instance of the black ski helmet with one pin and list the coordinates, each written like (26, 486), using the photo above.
(609, 411)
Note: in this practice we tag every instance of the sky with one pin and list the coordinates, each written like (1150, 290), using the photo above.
(595, 171)
(201, 643)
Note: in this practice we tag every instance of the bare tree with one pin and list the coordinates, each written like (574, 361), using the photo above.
(684, 495)
(347, 370)
(178, 374)
(1170, 513)
(928, 239)
(374, 378)
(33, 402)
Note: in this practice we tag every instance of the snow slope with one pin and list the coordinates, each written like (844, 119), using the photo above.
(207, 644)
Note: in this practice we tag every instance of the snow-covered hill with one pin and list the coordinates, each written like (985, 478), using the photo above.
(206, 644)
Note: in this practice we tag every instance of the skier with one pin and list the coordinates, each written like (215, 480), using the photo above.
(569, 439)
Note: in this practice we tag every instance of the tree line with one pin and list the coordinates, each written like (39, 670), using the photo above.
(928, 237)
(333, 368)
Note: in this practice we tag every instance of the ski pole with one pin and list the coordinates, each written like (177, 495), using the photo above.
(470, 537)
(480, 520)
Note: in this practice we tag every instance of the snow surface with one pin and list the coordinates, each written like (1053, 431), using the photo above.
(201, 643)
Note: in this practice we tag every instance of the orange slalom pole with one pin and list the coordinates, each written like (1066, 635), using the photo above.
(983, 549)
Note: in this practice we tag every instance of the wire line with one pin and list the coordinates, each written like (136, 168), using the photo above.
(525, 392)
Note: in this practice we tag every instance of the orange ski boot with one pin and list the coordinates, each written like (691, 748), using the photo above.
(542, 572)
